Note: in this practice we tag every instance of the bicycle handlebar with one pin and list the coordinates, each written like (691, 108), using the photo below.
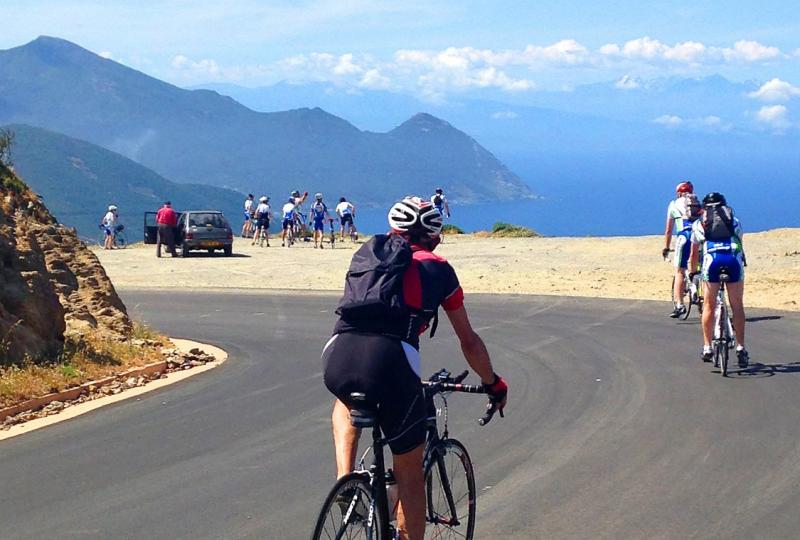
(442, 382)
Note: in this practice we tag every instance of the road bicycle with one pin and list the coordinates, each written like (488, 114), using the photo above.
(692, 293)
(120, 239)
(333, 234)
(724, 339)
(358, 504)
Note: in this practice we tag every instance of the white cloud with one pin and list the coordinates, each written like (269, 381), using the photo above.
(345, 66)
(751, 51)
(774, 116)
(705, 123)
(669, 120)
(374, 80)
(775, 90)
(106, 54)
(628, 83)
(504, 115)
(689, 52)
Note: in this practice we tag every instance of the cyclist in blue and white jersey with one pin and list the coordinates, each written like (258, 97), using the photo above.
(720, 235)
(289, 213)
(346, 212)
(681, 213)
(317, 216)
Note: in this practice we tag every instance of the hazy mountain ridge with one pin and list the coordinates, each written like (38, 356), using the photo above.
(78, 180)
(202, 137)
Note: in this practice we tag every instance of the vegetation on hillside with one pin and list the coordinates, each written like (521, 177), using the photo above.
(507, 230)
(449, 228)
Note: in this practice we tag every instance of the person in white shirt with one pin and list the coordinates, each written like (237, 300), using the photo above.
(109, 223)
(346, 213)
(263, 216)
(289, 213)
(249, 211)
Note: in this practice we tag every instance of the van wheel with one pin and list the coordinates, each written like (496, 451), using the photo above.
(184, 252)
(228, 251)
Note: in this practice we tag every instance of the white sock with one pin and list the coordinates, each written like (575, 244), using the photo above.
(707, 349)
(739, 348)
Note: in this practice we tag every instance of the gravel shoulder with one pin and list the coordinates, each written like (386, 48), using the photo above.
(607, 267)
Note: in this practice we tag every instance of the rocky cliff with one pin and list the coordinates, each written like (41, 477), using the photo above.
(51, 285)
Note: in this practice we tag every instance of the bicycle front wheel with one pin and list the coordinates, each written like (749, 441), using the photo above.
(450, 490)
(349, 511)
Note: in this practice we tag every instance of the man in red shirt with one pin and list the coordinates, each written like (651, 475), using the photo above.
(166, 220)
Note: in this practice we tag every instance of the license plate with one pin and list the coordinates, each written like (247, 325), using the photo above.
(212, 244)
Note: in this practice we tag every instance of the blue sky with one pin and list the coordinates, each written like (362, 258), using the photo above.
(428, 48)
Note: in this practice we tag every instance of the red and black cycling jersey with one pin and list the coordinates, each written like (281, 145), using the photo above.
(429, 282)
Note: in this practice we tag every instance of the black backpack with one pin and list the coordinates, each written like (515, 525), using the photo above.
(374, 284)
(373, 290)
(437, 200)
(718, 223)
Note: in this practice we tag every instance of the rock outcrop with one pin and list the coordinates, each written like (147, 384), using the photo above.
(51, 285)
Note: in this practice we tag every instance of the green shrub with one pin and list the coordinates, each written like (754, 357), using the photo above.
(449, 228)
(507, 230)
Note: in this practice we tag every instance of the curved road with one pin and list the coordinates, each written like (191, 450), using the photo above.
(614, 429)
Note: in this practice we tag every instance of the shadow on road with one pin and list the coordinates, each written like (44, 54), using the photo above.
(764, 318)
(758, 370)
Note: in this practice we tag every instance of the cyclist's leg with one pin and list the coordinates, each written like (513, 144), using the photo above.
(711, 268)
(736, 297)
(410, 476)
(345, 439)
(682, 252)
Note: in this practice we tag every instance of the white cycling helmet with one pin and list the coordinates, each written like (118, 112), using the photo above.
(263, 199)
(416, 217)
(318, 196)
(111, 208)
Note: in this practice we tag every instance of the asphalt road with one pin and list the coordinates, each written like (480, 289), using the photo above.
(614, 429)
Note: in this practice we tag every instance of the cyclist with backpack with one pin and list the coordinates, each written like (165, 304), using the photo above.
(682, 212)
(317, 215)
(346, 212)
(263, 215)
(440, 202)
(393, 290)
(720, 235)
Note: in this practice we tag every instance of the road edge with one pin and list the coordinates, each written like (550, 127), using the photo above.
(184, 345)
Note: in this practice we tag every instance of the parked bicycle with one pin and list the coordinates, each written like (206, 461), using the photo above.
(120, 239)
(724, 339)
(333, 233)
(358, 505)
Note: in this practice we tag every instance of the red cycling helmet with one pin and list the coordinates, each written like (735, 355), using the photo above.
(684, 187)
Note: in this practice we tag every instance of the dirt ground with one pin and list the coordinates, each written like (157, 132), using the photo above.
(616, 267)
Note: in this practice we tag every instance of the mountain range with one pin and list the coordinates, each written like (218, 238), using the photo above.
(78, 180)
(204, 138)
(605, 155)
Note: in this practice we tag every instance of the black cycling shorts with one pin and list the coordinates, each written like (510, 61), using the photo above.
(345, 219)
(376, 366)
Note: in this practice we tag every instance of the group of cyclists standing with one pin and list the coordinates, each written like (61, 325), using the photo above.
(257, 218)
(708, 245)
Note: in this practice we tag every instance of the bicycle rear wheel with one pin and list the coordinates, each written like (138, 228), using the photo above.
(450, 490)
(346, 511)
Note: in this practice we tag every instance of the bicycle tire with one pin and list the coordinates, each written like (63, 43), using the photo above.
(120, 241)
(345, 512)
(723, 368)
(449, 477)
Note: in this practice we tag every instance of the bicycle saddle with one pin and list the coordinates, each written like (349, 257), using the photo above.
(362, 414)
(724, 276)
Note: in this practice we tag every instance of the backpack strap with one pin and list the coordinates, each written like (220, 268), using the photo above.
(434, 324)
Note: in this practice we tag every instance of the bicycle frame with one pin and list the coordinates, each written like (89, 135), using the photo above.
(723, 330)
(439, 383)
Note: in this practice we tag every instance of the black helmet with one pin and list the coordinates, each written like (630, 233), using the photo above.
(295, 193)
(714, 199)
(342, 199)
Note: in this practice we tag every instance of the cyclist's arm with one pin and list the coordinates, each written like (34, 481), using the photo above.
(471, 345)
(668, 232)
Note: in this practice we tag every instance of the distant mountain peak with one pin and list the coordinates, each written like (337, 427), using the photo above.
(422, 122)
